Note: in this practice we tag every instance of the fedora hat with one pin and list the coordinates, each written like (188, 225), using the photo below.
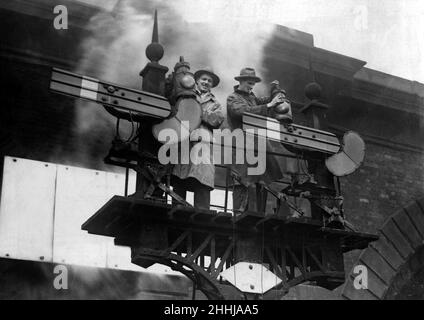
(209, 72)
(248, 74)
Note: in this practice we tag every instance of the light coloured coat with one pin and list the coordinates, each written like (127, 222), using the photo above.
(212, 117)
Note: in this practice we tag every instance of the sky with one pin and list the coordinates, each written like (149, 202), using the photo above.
(387, 34)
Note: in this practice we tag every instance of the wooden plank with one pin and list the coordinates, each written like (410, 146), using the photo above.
(109, 94)
(300, 136)
(151, 109)
(69, 78)
(178, 213)
(97, 222)
(203, 216)
(77, 80)
(248, 219)
(391, 231)
(65, 89)
(139, 97)
(295, 141)
(272, 221)
(357, 241)
(223, 218)
(416, 214)
(296, 127)
(103, 99)
(148, 209)
(303, 221)
(408, 229)
(389, 253)
(373, 260)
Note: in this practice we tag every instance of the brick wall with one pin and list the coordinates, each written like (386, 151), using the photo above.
(387, 181)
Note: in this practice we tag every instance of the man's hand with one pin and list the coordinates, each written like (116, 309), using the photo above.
(279, 98)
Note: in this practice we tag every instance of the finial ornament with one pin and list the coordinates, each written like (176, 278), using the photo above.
(313, 91)
(155, 51)
(155, 35)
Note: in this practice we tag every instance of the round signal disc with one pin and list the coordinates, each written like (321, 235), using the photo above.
(349, 158)
(181, 125)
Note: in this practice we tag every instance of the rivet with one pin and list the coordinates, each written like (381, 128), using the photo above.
(285, 138)
(46, 165)
(139, 98)
(42, 258)
(115, 101)
(104, 99)
(252, 286)
(14, 160)
(250, 267)
(111, 89)
(294, 140)
(314, 136)
(7, 255)
(123, 94)
(300, 132)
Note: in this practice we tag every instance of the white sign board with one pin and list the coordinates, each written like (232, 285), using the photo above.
(43, 206)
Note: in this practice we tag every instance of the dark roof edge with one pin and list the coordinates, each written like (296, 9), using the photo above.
(44, 8)
(390, 81)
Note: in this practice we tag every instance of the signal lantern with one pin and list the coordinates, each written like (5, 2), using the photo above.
(187, 81)
(181, 83)
(281, 112)
(185, 107)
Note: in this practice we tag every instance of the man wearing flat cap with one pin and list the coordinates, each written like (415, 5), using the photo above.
(199, 178)
(240, 101)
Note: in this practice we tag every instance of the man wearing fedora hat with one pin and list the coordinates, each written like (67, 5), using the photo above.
(199, 178)
(240, 101)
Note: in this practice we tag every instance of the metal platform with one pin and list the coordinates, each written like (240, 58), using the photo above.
(184, 238)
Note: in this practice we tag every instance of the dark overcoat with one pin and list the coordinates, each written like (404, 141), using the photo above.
(237, 103)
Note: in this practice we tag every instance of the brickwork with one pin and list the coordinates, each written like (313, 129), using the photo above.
(395, 261)
(387, 181)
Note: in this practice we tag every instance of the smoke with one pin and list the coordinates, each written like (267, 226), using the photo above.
(213, 35)
(115, 50)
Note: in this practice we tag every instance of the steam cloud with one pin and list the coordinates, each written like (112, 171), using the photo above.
(116, 50)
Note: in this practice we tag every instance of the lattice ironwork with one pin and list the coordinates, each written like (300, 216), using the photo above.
(202, 243)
